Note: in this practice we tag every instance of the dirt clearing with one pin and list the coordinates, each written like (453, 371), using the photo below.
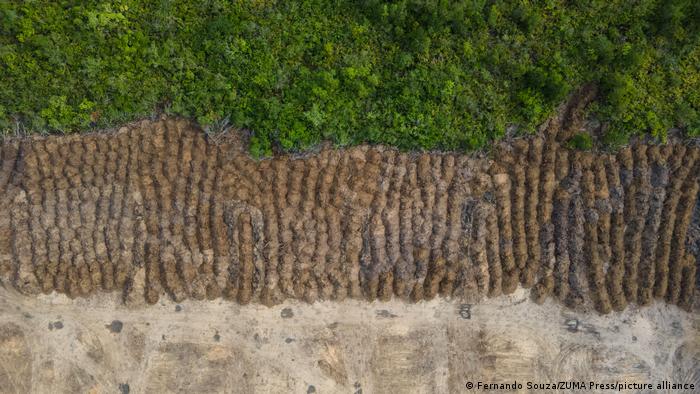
(52, 344)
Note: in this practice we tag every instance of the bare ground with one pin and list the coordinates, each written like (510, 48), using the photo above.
(51, 344)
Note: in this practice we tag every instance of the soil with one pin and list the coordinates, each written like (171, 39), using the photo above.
(52, 344)
(160, 209)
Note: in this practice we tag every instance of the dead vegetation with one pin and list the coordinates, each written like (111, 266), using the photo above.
(159, 209)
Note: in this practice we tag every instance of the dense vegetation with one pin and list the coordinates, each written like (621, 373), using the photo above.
(411, 73)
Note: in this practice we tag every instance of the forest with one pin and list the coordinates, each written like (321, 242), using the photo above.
(415, 74)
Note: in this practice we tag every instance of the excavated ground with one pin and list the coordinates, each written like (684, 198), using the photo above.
(158, 208)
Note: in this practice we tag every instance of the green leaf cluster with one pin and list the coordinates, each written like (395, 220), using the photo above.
(430, 74)
(580, 141)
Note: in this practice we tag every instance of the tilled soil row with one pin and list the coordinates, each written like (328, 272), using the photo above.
(160, 209)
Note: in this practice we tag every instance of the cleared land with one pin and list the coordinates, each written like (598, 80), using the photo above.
(51, 344)
(158, 208)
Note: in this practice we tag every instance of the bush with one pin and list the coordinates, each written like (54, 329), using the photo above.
(410, 73)
(580, 141)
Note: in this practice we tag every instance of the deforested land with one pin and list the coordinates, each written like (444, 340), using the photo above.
(159, 208)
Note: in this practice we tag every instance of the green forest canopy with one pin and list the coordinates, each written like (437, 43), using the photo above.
(427, 74)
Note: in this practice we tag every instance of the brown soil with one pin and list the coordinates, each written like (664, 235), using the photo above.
(160, 209)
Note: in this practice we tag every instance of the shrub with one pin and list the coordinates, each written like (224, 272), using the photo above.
(580, 141)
